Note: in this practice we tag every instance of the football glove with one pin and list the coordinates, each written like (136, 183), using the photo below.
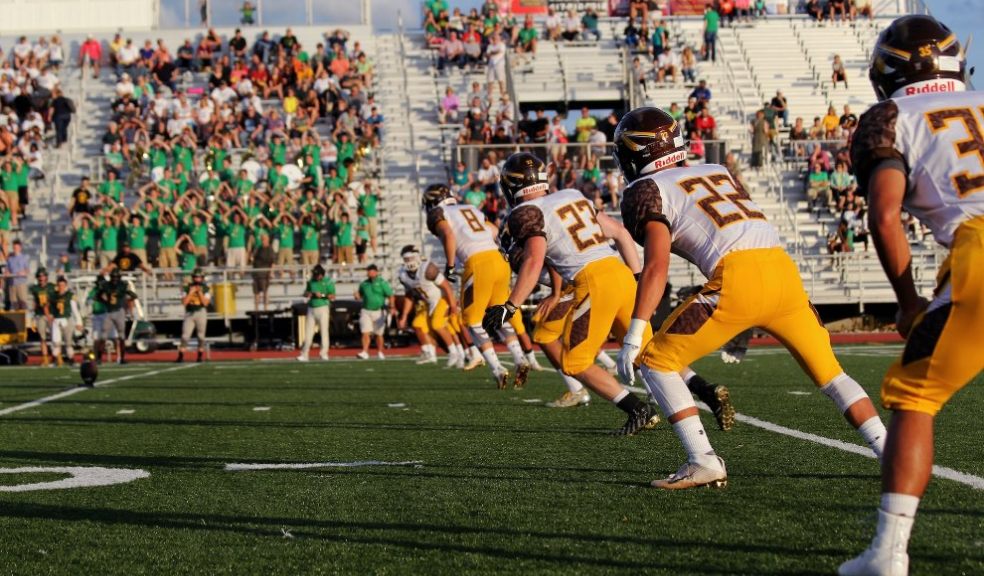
(625, 363)
(496, 316)
(451, 274)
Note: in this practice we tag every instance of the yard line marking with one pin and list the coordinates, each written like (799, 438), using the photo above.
(306, 465)
(78, 477)
(261, 409)
(71, 391)
(126, 411)
(397, 405)
(975, 482)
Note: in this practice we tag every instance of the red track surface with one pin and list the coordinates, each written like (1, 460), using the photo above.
(225, 355)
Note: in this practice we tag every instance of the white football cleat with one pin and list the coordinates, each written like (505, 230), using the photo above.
(452, 360)
(426, 359)
(694, 475)
(380, 355)
(887, 554)
(475, 362)
(571, 399)
(460, 363)
(302, 358)
(323, 357)
(362, 355)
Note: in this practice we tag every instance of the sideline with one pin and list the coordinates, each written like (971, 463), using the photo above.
(76, 390)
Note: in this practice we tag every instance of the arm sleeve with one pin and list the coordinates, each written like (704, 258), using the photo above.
(642, 203)
(526, 222)
(874, 143)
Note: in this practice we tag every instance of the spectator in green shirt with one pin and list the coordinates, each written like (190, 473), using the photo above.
(167, 230)
(361, 236)
(5, 225)
(589, 25)
(369, 202)
(474, 196)
(111, 189)
(712, 21)
(8, 181)
(310, 239)
(376, 296)
(234, 228)
(527, 37)
(198, 232)
(818, 188)
(85, 240)
(136, 233)
(278, 150)
(108, 235)
(344, 240)
(284, 227)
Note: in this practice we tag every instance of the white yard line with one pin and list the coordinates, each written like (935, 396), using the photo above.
(71, 391)
(306, 465)
(975, 482)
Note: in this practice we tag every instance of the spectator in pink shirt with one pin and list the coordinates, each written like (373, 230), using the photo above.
(449, 107)
(91, 50)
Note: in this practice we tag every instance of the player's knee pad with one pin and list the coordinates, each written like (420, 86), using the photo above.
(844, 391)
(480, 335)
(669, 390)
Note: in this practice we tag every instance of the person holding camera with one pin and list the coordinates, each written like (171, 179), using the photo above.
(320, 292)
(195, 301)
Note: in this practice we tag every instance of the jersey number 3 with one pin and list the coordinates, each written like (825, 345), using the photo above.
(736, 197)
(574, 211)
(965, 182)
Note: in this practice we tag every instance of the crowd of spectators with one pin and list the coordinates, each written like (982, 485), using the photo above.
(229, 148)
(34, 116)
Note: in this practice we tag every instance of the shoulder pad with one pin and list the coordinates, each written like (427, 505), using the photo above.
(642, 203)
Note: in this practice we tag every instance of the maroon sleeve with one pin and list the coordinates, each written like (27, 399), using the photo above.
(435, 217)
(526, 222)
(874, 142)
(642, 203)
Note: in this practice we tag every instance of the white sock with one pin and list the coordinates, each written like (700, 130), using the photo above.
(695, 442)
(517, 351)
(474, 352)
(492, 360)
(892, 535)
(428, 350)
(899, 504)
(531, 358)
(459, 350)
(572, 383)
(874, 433)
(605, 361)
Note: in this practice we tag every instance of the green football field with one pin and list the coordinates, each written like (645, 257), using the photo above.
(466, 479)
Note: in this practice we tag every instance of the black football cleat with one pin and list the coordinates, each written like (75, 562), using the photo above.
(644, 418)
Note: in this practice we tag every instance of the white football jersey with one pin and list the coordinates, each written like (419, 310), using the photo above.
(708, 213)
(567, 220)
(420, 287)
(938, 141)
(471, 234)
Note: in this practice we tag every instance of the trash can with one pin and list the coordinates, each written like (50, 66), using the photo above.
(225, 299)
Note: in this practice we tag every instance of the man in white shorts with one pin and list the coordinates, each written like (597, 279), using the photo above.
(495, 71)
(374, 293)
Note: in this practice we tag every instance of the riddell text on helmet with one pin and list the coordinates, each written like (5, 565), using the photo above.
(931, 86)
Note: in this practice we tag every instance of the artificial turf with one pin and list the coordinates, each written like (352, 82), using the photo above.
(503, 484)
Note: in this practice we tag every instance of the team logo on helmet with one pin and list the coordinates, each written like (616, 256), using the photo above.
(523, 174)
(437, 194)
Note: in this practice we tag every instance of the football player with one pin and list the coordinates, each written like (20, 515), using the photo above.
(425, 283)
(564, 230)
(66, 320)
(704, 215)
(117, 298)
(41, 294)
(195, 300)
(467, 238)
(921, 149)
(551, 316)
